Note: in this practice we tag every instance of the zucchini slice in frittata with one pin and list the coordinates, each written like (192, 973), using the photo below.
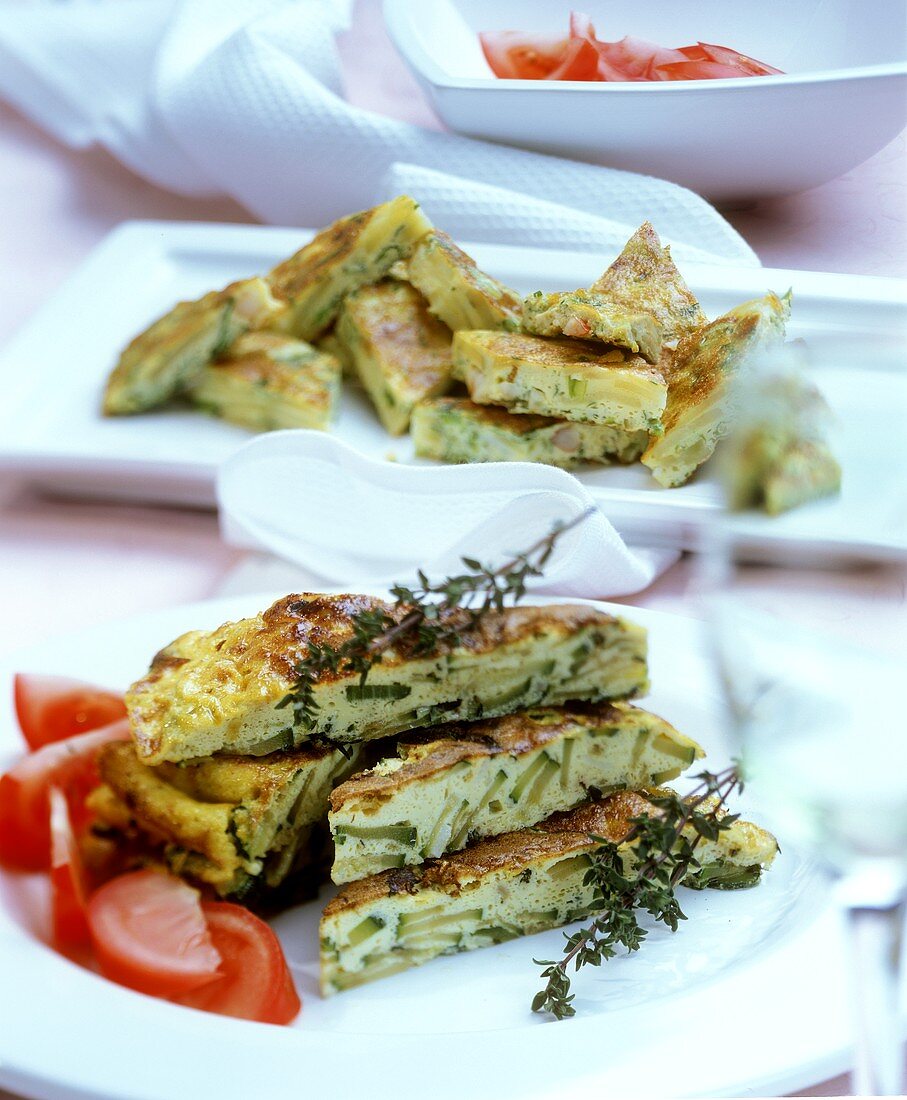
(400, 352)
(166, 358)
(446, 788)
(455, 429)
(699, 408)
(226, 690)
(269, 381)
(500, 888)
(238, 824)
(456, 290)
(570, 379)
(351, 253)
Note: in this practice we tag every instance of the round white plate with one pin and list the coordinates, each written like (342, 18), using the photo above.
(745, 997)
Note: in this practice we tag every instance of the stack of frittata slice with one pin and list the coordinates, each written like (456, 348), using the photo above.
(455, 793)
(629, 368)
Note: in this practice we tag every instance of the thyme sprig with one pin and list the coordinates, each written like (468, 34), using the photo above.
(663, 854)
(426, 623)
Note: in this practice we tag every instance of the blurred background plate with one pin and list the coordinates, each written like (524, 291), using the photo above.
(53, 435)
(842, 98)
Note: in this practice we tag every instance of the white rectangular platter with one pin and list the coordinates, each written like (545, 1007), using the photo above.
(52, 434)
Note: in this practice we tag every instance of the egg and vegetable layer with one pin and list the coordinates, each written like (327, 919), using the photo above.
(510, 885)
(455, 429)
(228, 690)
(445, 788)
(239, 824)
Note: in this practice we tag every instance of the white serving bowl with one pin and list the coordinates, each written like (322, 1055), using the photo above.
(843, 95)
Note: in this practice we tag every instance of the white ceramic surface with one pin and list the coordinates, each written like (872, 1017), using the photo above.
(842, 98)
(754, 965)
(53, 373)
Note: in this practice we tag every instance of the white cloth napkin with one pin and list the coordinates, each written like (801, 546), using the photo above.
(318, 503)
(244, 97)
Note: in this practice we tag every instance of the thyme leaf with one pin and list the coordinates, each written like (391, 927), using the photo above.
(662, 854)
(420, 616)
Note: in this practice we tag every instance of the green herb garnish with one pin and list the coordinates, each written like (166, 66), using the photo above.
(663, 854)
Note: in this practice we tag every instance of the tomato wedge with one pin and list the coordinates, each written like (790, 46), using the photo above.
(745, 66)
(516, 56)
(68, 901)
(149, 933)
(255, 982)
(580, 62)
(24, 793)
(53, 708)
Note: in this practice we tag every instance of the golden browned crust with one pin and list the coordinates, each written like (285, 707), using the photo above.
(559, 835)
(562, 353)
(305, 267)
(705, 358)
(645, 277)
(257, 657)
(433, 751)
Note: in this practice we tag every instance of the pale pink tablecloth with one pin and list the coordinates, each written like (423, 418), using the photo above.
(67, 564)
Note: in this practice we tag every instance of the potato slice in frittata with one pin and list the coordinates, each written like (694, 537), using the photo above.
(456, 290)
(698, 410)
(227, 690)
(239, 824)
(455, 429)
(450, 786)
(589, 316)
(401, 352)
(351, 253)
(166, 358)
(269, 381)
(503, 887)
(570, 379)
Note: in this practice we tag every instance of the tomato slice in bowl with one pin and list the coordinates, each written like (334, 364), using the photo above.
(54, 708)
(745, 66)
(24, 793)
(255, 982)
(150, 934)
(68, 901)
(514, 55)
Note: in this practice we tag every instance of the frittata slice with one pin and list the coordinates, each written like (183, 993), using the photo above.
(400, 351)
(639, 303)
(589, 316)
(456, 290)
(698, 411)
(645, 278)
(351, 253)
(166, 358)
(500, 888)
(270, 381)
(777, 456)
(238, 824)
(570, 379)
(226, 690)
(446, 788)
(455, 429)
